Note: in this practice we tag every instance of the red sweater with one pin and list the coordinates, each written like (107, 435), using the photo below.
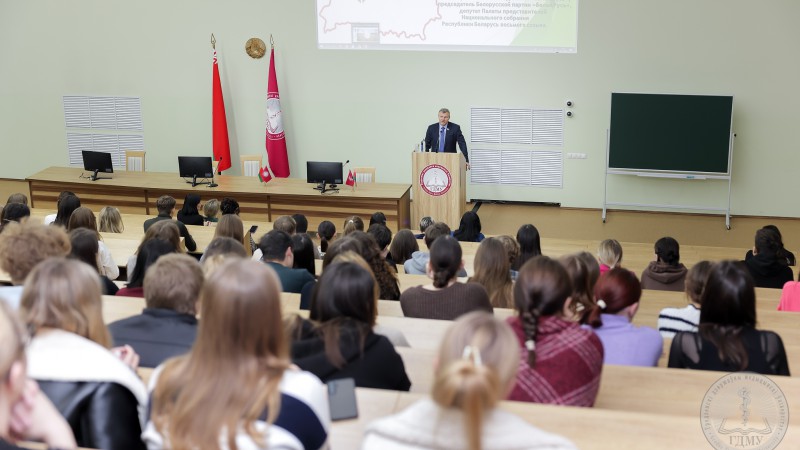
(569, 360)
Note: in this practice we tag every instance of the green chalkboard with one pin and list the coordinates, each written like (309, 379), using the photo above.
(670, 133)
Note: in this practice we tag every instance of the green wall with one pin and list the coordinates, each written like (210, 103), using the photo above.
(371, 107)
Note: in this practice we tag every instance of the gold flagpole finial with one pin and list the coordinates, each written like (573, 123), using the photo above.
(271, 42)
(213, 42)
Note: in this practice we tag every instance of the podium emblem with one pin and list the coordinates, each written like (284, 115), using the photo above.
(435, 180)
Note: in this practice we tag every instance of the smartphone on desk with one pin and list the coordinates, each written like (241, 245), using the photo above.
(342, 399)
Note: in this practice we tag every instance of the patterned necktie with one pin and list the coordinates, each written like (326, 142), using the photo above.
(441, 139)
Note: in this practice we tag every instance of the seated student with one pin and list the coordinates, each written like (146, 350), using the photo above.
(476, 368)
(377, 217)
(230, 225)
(282, 223)
(285, 224)
(493, 272)
(469, 230)
(166, 230)
(84, 218)
(17, 198)
(219, 250)
(301, 227)
(66, 206)
(403, 246)
(167, 326)
(50, 218)
(211, 211)
(148, 254)
(673, 320)
(253, 396)
(666, 273)
(583, 272)
(110, 220)
(342, 343)
(14, 212)
(22, 247)
(166, 206)
(229, 205)
(446, 298)
(188, 214)
(383, 236)
(609, 255)
(560, 361)
(93, 386)
(25, 412)
(338, 247)
(388, 284)
(303, 251)
(767, 265)
(85, 248)
(352, 223)
(789, 256)
(418, 263)
(276, 247)
(727, 339)
(424, 223)
(511, 247)
(326, 231)
(618, 293)
(530, 245)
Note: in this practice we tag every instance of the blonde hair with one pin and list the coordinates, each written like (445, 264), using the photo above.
(493, 271)
(236, 363)
(478, 361)
(610, 253)
(23, 246)
(110, 220)
(211, 208)
(65, 294)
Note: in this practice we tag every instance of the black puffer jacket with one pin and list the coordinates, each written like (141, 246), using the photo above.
(102, 414)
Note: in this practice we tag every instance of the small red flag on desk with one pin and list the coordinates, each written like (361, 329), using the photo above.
(220, 143)
(264, 175)
(351, 179)
(276, 138)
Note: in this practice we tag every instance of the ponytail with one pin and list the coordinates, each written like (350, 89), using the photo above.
(468, 385)
(323, 244)
(530, 325)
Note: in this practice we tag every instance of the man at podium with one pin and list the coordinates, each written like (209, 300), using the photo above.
(442, 136)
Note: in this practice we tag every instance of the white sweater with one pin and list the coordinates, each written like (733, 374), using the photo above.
(425, 425)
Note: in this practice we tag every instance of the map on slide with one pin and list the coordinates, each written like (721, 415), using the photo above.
(491, 25)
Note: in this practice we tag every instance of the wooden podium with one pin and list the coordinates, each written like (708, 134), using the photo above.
(439, 186)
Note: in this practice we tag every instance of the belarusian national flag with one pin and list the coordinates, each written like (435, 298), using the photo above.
(220, 144)
(351, 178)
(276, 138)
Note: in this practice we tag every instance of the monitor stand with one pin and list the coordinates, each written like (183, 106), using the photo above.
(95, 176)
(324, 187)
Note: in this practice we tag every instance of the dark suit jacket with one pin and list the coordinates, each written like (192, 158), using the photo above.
(451, 136)
(156, 334)
(292, 280)
(187, 238)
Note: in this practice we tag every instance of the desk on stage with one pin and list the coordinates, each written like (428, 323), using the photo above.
(137, 192)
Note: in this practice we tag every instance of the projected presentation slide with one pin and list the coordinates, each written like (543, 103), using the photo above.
(546, 26)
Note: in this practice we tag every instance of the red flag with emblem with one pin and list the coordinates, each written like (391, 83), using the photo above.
(276, 138)
(264, 175)
(351, 178)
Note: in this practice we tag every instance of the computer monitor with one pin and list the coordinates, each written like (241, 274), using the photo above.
(195, 167)
(323, 173)
(97, 162)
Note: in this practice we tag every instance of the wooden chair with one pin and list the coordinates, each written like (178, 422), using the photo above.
(134, 160)
(251, 164)
(364, 174)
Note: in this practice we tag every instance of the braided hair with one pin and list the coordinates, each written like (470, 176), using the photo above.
(541, 290)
